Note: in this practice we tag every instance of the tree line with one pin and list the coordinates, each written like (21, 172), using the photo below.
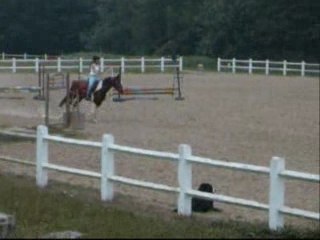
(273, 29)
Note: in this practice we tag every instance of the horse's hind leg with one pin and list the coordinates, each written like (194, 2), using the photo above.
(77, 100)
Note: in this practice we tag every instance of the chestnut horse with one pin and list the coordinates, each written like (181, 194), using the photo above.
(78, 90)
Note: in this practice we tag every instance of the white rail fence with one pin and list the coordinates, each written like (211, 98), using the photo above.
(59, 64)
(25, 56)
(268, 67)
(276, 172)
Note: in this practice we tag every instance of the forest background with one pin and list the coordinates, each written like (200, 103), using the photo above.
(273, 29)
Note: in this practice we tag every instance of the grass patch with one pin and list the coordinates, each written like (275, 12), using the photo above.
(12, 139)
(60, 207)
(53, 130)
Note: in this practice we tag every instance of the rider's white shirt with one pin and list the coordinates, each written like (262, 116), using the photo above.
(94, 69)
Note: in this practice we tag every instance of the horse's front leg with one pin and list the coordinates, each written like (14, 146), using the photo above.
(94, 112)
(63, 101)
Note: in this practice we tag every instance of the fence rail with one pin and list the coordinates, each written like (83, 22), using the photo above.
(277, 174)
(268, 67)
(14, 63)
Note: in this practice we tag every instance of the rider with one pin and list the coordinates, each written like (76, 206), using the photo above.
(93, 76)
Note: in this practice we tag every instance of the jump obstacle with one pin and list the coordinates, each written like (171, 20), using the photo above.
(134, 91)
(33, 89)
(47, 82)
(51, 79)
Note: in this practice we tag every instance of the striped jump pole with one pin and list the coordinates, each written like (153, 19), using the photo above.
(32, 89)
(133, 91)
(137, 91)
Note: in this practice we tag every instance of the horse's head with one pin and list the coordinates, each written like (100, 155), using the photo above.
(116, 83)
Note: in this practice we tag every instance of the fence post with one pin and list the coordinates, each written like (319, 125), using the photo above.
(107, 168)
(3, 55)
(250, 66)
(303, 68)
(276, 193)
(24, 56)
(102, 64)
(59, 64)
(42, 156)
(142, 65)
(14, 65)
(122, 65)
(185, 180)
(219, 65)
(267, 67)
(180, 63)
(233, 65)
(80, 65)
(45, 56)
(162, 64)
(36, 65)
(284, 68)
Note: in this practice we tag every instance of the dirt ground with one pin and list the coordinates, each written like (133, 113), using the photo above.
(238, 118)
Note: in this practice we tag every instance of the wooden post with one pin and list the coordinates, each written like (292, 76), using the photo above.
(39, 80)
(142, 65)
(59, 65)
(185, 181)
(179, 85)
(233, 65)
(42, 156)
(102, 64)
(180, 63)
(250, 66)
(284, 68)
(276, 193)
(122, 64)
(68, 101)
(303, 68)
(14, 65)
(219, 64)
(162, 64)
(80, 65)
(267, 67)
(47, 98)
(107, 168)
(36, 65)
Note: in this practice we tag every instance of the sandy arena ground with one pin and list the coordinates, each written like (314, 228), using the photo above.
(238, 118)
